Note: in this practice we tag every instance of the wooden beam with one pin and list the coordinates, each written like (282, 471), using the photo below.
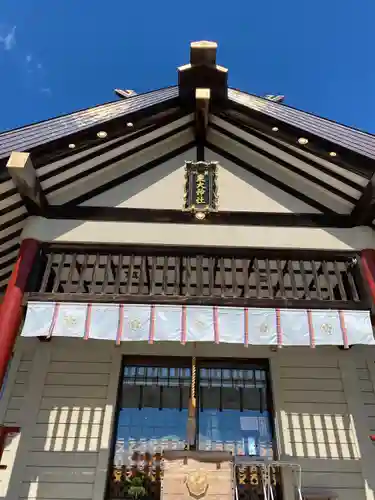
(283, 140)
(202, 105)
(203, 52)
(22, 171)
(194, 300)
(203, 72)
(169, 216)
(364, 211)
(345, 157)
(288, 165)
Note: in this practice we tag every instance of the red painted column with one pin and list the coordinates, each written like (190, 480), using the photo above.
(368, 268)
(11, 307)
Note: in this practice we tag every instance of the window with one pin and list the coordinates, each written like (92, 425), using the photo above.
(232, 414)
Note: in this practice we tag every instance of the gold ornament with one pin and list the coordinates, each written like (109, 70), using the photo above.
(327, 329)
(135, 324)
(197, 483)
(70, 320)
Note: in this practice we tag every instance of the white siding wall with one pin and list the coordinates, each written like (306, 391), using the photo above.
(366, 380)
(11, 404)
(317, 425)
(63, 395)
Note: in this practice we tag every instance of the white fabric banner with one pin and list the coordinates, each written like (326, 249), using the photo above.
(235, 325)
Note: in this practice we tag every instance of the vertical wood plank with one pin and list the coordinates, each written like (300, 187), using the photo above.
(108, 427)
(292, 279)
(281, 427)
(106, 273)
(199, 275)
(359, 421)
(153, 275)
(327, 278)
(222, 276)
(130, 275)
(118, 274)
(246, 275)
(59, 271)
(29, 413)
(164, 287)
(315, 280)
(339, 281)
(304, 280)
(11, 378)
(257, 278)
(47, 272)
(94, 273)
(188, 277)
(352, 286)
(69, 281)
(269, 278)
(81, 271)
(211, 276)
(280, 284)
(234, 276)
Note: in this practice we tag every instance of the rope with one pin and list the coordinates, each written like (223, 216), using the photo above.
(191, 428)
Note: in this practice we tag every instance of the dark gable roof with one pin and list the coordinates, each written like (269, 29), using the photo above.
(352, 139)
(240, 126)
(26, 138)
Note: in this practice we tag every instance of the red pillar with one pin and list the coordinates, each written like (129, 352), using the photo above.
(368, 267)
(11, 307)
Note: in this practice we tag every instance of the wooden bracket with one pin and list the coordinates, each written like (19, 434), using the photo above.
(202, 105)
(363, 212)
(203, 53)
(22, 171)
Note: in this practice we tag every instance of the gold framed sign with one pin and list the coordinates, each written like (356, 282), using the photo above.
(200, 194)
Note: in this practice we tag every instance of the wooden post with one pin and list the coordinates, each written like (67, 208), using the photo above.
(11, 309)
(26, 180)
(368, 274)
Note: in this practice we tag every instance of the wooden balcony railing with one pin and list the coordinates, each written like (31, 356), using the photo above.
(237, 277)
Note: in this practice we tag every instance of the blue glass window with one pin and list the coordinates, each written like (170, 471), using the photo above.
(234, 414)
(153, 411)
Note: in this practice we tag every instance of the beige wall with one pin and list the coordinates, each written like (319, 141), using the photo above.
(63, 393)
(178, 234)
(163, 187)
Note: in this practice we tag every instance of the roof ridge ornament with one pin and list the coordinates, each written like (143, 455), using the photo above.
(203, 72)
(203, 52)
(125, 94)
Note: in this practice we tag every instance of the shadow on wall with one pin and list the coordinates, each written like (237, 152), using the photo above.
(317, 428)
(323, 445)
(59, 457)
(318, 431)
(66, 441)
(63, 455)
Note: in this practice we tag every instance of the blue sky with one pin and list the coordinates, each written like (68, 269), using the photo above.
(62, 55)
